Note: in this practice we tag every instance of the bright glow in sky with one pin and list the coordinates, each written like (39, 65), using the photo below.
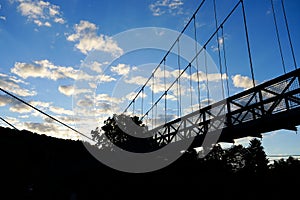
(43, 44)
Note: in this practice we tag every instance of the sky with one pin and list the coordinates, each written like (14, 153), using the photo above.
(51, 55)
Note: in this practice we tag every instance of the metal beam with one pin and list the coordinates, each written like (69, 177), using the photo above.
(239, 115)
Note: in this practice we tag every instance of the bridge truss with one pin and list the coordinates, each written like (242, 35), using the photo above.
(270, 106)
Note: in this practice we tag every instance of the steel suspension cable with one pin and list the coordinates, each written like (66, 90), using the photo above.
(278, 37)
(191, 86)
(42, 112)
(155, 119)
(197, 63)
(9, 124)
(225, 60)
(152, 98)
(203, 48)
(219, 52)
(168, 52)
(165, 90)
(289, 34)
(178, 80)
(133, 107)
(206, 73)
(142, 109)
(248, 42)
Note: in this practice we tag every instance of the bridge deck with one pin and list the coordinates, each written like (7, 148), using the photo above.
(270, 106)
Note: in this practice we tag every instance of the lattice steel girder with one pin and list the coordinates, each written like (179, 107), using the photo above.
(236, 116)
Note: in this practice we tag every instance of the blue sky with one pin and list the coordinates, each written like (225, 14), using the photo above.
(43, 45)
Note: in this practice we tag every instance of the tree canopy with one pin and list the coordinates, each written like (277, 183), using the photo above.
(128, 133)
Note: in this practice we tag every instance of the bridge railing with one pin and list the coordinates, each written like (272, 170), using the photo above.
(269, 98)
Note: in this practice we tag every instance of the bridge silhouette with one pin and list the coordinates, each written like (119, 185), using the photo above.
(270, 106)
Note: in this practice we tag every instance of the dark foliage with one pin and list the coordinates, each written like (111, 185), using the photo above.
(40, 167)
(126, 133)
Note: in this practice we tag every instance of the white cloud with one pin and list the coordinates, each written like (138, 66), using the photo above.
(43, 69)
(51, 129)
(40, 104)
(104, 78)
(242, 81)
(46, 69)
(13, 85)
(210, 77)
(138, 80)
(40, 12)
(87, 39)
(96, 66)
(161, 7)
(59, 20)
(3, 18)
(12, 120)
(70, 90)
(67, 90)
(93, 85)
(106, 104)
(39, 23)
(131, 95)
(4, 100)
(121, 69)
(85, 102)
(106, 97)
(61, 111)
(40, 127)
(19, 107)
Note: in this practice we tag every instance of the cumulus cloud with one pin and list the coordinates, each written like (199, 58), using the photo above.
(40, 23)
(106, 104)
(106, 97)
(85, 102)
(138, 80)
(121, 69)
(40, 127)
(242, 81)
(51, 129)
(40, 12)
(131, 95)
(161, 7)
(67, 90)
(60, 110)
(70, 90)
(104, 78)
(171, 76)
(96, 66)
(210, 77)
(18, 107)
(46, 69)
(13, 85)
(43, 69)
(4, 100)
(40, 104)
(64, 119)
(86, 39)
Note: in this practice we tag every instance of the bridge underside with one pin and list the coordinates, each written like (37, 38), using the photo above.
(273, 105)
(287, 120)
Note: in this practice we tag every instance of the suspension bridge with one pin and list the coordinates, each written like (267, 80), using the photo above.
(265, 107)
(270, 106)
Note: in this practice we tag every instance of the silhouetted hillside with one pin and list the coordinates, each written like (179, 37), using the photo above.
(39, 167)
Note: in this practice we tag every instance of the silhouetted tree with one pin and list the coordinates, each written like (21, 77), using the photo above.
(124, 131)
(255, 158)
(235, 158)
